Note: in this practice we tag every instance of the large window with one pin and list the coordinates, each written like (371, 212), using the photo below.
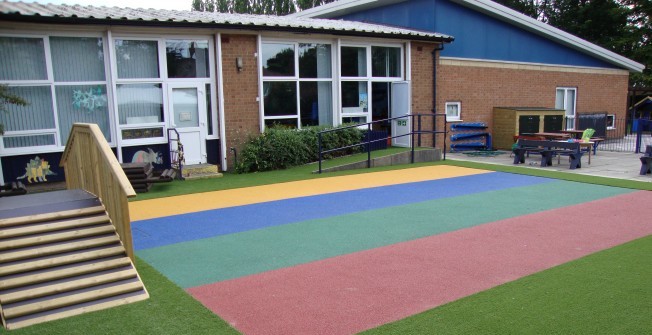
(63, 79)
(565, 99)
(144, 70)
(366, 76)
(297, 84)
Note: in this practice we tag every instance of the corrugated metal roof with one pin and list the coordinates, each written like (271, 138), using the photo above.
(489, 7)
(35, 12)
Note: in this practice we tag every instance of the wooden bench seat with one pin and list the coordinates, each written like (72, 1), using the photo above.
(547, 150)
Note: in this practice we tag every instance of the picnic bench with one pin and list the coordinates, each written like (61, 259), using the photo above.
(646, 161)
(548, 150)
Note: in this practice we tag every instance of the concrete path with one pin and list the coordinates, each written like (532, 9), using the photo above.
(620, 165)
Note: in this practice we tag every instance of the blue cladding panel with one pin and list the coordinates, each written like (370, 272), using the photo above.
(477, 35)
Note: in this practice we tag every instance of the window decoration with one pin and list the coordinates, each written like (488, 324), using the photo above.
(90, 100)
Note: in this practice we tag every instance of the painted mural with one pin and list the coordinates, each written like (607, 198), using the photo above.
(149, 156)
(37, 170)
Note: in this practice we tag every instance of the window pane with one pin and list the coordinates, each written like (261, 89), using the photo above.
(280, 98)
(452, 110)
(354, 120)
(354, 96)
(316, 103)
(209, 110)
(137, 59)
(39, 114)
(278, 60)
(140, 103)
(131, 134)
(82, 103)
(28, 141)
(315, 60)
(354, 62)
(559, 99)
(22, 59)
(185, 104)
(286, 123)
(380, 97)
(187, 58)
(77, 58)
(385, 62)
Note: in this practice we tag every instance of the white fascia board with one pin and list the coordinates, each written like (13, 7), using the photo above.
(494, 10)
(341, 7)
(511, 16)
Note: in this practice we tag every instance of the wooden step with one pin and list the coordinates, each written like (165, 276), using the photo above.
(23, 230)
(62, 273)
(50, 262)
(72, 285)
(22, 242)
(59, 248)
(50, 304)
(51, 216)
(92, 306)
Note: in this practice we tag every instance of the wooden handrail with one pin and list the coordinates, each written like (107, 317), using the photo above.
(90, 165)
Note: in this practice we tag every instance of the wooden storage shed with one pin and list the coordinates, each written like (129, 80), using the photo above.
(513, 121)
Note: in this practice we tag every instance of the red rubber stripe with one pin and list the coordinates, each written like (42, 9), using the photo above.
(351, 293)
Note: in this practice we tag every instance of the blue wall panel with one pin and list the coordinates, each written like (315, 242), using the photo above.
(477, 35)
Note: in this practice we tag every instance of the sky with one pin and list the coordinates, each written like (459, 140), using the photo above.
(158, 4)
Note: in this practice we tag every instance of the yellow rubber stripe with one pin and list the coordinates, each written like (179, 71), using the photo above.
(155, 208)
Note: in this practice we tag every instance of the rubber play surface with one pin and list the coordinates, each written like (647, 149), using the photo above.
(344, 254)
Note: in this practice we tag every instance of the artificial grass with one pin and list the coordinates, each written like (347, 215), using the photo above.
(604, 293)
(169, 310)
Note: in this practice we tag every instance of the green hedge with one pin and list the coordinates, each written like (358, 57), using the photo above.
(280, 148)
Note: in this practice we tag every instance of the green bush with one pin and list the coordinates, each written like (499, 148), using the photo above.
(280, 148)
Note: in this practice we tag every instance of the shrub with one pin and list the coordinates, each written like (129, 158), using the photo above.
(279, 147)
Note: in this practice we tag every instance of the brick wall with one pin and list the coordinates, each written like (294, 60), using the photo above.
(240, 91)
(421, 82)
(481, 88)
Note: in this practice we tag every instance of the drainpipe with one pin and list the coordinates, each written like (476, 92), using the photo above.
(434, 93)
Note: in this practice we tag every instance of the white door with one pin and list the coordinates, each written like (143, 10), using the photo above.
(400, 106)
(188, 115)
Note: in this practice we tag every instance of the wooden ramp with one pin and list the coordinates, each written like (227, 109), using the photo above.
(60, 256)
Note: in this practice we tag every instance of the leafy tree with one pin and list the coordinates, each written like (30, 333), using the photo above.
(8, 98)
(269, 7)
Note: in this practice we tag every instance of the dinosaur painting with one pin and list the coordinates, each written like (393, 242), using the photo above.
(36, 170)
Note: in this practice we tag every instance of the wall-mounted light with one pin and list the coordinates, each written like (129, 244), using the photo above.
(238, 63)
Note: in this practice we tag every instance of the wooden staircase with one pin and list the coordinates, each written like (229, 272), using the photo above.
(60, 256)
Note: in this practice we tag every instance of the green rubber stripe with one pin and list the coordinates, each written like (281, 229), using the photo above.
(225, 257)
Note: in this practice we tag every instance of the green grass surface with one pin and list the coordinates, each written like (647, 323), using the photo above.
(169, 310)
(604, 293)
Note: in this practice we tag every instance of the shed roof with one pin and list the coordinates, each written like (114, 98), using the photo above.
(490, 8)
(78, 14)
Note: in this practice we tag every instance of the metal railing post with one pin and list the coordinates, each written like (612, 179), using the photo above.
(368, 145)
(320, 154)
(412, 139)
(419, 129)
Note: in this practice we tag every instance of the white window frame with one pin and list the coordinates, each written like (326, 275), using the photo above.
(613, 123)
(369, 78)
(50, 81)
(164, 80)
(295, 78)
(570, 119)
(458, 104)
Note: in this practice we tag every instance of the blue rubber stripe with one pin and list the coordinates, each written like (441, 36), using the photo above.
(187, 227)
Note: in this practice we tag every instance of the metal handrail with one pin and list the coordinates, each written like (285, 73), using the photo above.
(368, 142)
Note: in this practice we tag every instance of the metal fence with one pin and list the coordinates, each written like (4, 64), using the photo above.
(627, 136)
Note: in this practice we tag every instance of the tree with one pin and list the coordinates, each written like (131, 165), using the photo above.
(8, 98)
(268, 7)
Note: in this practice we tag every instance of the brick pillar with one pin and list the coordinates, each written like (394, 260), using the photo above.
(241, 113)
